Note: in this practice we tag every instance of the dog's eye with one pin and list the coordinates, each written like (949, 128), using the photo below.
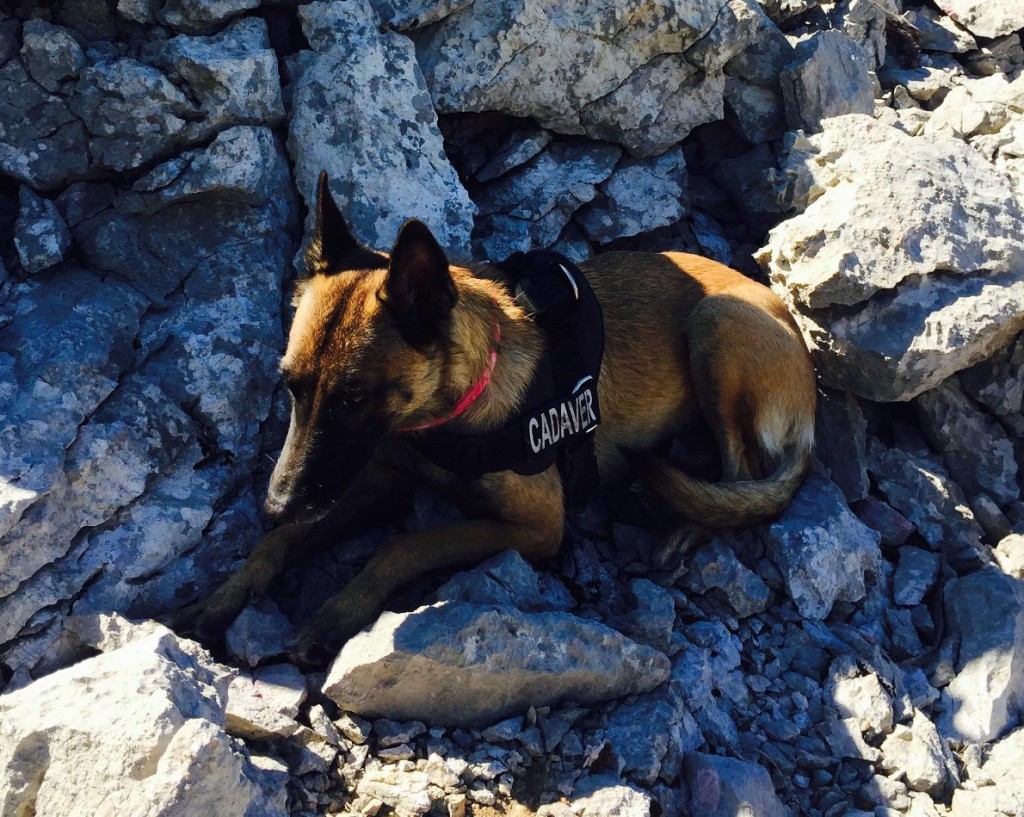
(354, 393)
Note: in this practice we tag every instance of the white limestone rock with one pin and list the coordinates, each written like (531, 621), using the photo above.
(984, 18)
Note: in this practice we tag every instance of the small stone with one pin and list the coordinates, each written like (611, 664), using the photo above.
(859, 696)
(265, 704)
(892, 526)
(918, 753)
(915, 575)
(322, 725)
(51, 54)
(259, 632)
(354, 728)
(40, 235)
(393, 733)
(504, 731)
(1009, 555)
(722, 786)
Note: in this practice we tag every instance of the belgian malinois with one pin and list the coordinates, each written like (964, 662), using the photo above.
(382, 346)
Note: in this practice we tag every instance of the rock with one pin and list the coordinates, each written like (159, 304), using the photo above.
(985, 19)
(142, 724)
(530, 206)
(993, 521)
(1009, 555)
(644, 755)
(259, 632)
(915, 575)
(721, 786)
(51, 54)
(605, 794)
(938, 32)
(362, 112)
(1004, 793)
(640, 75)
(42, 142)
(403, 15)
(892, 526)
(652, 619)
(998, 382)
(919, 755)
(639, 196)
(1002, 56)
(840, 442)
(879, 270)
(859, 696)
(41, 237)
(440, 664)
(822, 549)
(917, 485)
(829, 76)
(522, 146)
(265, 704)
(200, 16)
(504, 581)
(753, 111)
(405, 791)
(975, 447)
(715, 567)
(986, 609)
(846, 740)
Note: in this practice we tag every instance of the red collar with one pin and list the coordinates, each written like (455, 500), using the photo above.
(471, 396)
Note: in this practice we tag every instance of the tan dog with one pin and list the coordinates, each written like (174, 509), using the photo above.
(381, 345)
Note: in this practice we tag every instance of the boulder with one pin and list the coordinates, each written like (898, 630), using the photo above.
(722, 786)
(986, 696)
(918, 754)
(915, 575)
(51, 54)
(895, 286)
(605, 794)
(463, 664)
(642, 74)
(984, 19)
(41, 237)
(362, 112)
(139, 730)
(824, 552)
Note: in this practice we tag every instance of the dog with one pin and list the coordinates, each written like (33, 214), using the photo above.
(384, 347)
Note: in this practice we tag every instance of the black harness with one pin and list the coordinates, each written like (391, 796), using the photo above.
(558, 416)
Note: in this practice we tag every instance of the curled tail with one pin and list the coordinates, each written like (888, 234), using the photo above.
(723, 505)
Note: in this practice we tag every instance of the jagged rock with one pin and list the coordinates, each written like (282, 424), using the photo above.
(639, 196)
(259, 632)
(840, 442)
(506, 581)
(829, 76)
(643, 755)
(998, 382)
(51, 54)
(404, 790)
(859, 696)
(915, 575)
(1001, 56)
(522, 146)
(702, 673)
(846, 740)
(985, 19)
(42, 142)
(362, 112)
(873, 237)
(892, 526)
(40, 236)
(919, 754)
(867, 24)
(530, 206)
(975, 447)
(605, 794)
(938, 32)
(986, 609)
(721, 786)
(715, 567)
(1001, 770)
(264, 705)
(1009, 555)
(652, 620)
(141, 727)
(461, 664)
(824, 552)
(755, 112)
(918, 486)
(404, 15)
(199, 16)
(642, 75)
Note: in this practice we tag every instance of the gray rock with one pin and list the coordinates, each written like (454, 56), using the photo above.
(143, 725)
(867, 24)
(362, 112)
(504, 581)
(404, 15)
(199, 16)
(861, 697)
(639, 196)
(938, 32)
(403, 790)
(1004, 793)
(701, 674)
(41, 237)
(846, 740)
(721, 786)
(715, 567)
(915, 575)
(42, 142)
(652, 620)
(829, 77)
(918, 754)
(918, 486)
(522, 146)
(755, 112)
(645, 754)
(642, 76)
(1009, 555)
(51, 54)
(975, 447)
(985, 698)
(998, 382)
(444, 664)
(605, 794)
(265, 704)
(257, 633)
(872, 227)
(1002, 56)
(822, 549)
(840, 442)
(985, 19)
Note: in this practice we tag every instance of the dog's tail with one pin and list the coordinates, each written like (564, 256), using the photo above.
(722, 505)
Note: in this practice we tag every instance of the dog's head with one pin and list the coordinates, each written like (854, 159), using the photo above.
(366, 355)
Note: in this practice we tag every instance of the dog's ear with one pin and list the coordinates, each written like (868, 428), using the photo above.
(419, 289)
(331, 239)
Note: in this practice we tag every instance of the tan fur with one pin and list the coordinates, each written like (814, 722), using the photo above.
(685, 335)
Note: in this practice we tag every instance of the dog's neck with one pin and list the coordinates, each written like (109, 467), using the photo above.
(483, 305)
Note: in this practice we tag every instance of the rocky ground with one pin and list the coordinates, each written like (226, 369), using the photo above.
(864, 654)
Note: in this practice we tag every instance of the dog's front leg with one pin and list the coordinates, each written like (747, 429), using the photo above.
(532, 525)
